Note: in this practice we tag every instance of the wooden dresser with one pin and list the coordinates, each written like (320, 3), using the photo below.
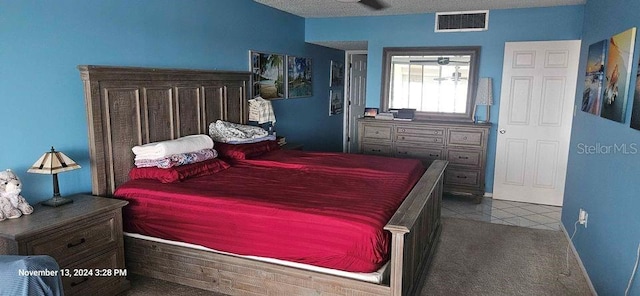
(85, 238)
(464, 145)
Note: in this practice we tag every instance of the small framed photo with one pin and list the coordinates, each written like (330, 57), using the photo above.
(337, 75)
(336, 101)
(370, 112)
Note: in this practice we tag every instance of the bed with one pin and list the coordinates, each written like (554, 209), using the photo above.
(133, 106)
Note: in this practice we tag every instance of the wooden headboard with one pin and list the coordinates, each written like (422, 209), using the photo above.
(132, 106)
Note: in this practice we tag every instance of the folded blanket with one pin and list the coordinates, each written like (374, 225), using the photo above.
(178, 159)
(162, 149)
(223, 131)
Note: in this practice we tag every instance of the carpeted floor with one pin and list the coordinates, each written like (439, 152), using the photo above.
(473, 258)
(479, 258)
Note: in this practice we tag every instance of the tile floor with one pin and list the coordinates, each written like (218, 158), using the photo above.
(502, 212)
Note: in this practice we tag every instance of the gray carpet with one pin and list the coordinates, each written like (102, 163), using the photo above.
(473, 258)
(479, 258)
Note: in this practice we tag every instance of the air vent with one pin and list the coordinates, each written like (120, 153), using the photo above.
(462, 21)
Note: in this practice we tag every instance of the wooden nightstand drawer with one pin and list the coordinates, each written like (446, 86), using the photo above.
(377, 132)
(466, 137)
(465, 157)
(89, 277)
(75, 243)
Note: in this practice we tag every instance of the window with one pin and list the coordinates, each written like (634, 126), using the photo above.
(438, 82)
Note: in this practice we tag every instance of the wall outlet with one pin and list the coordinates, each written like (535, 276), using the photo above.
(583, 216)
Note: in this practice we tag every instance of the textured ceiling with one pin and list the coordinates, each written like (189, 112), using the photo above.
(333, 8)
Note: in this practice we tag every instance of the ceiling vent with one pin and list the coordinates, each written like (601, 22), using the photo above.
(462, 21)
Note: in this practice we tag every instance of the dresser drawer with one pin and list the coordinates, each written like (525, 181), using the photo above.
(376, 149)
(465, 137)
(377, 132)
(77, 242)
(91, 276)
(465, 157)
(419, 139)
(420, 131)
(424, 153)
(462, 177)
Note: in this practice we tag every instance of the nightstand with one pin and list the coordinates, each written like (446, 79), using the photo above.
(85, 238)
(292, 146)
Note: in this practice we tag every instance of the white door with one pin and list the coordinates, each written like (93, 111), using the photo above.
(534, 128)
(357, 95)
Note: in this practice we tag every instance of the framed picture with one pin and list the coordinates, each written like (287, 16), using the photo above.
(268, 75)
(594, 78)
(635, 111)
(337, 75)
(370, 112)
(298, 77)
(617, 75)
(336, 101)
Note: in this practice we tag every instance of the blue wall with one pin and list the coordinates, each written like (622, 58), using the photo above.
(43, 42)
(558, 23)
(605, 183)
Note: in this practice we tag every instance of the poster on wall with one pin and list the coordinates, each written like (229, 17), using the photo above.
(268, 75)
(594, 78)
(635, 112)
(337, 75)
(298, 77)
(618, 74)
(336, 101)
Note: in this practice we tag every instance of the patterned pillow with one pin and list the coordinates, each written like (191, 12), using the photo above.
(178, 159)
(245, 151)
(179, 173)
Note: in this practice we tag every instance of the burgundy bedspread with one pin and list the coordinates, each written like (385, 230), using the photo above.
(331, 162)
(313, 215)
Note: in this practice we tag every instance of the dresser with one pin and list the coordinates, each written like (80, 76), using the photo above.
(84, 237)
(464, 145)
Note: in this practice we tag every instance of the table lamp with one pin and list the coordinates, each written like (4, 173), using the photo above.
(52, 163)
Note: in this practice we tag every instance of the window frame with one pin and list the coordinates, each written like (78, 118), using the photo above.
(473, 51)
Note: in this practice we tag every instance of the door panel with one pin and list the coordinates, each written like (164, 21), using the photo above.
(357, 90)
(538, 89)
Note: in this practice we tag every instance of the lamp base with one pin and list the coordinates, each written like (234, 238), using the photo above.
(57, 201)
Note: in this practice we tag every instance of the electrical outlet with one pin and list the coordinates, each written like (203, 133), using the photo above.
(583, 216)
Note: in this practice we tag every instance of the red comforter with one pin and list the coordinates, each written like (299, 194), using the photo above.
(320, 213)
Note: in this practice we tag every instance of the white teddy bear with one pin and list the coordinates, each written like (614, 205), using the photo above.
(12, 204)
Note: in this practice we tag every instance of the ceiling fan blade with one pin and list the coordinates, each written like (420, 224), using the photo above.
(374, 4)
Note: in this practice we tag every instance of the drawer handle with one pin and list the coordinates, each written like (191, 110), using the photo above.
(434, 155)
(376, 150)
(461, 177)
(377, 132)
(84, 279)
(403, 152)
(71, 245)
(463, 157)
(402, 137)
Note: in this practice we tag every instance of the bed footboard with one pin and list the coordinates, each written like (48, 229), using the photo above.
(415, 230)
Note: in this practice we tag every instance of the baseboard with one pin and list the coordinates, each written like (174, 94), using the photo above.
(575, 253)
